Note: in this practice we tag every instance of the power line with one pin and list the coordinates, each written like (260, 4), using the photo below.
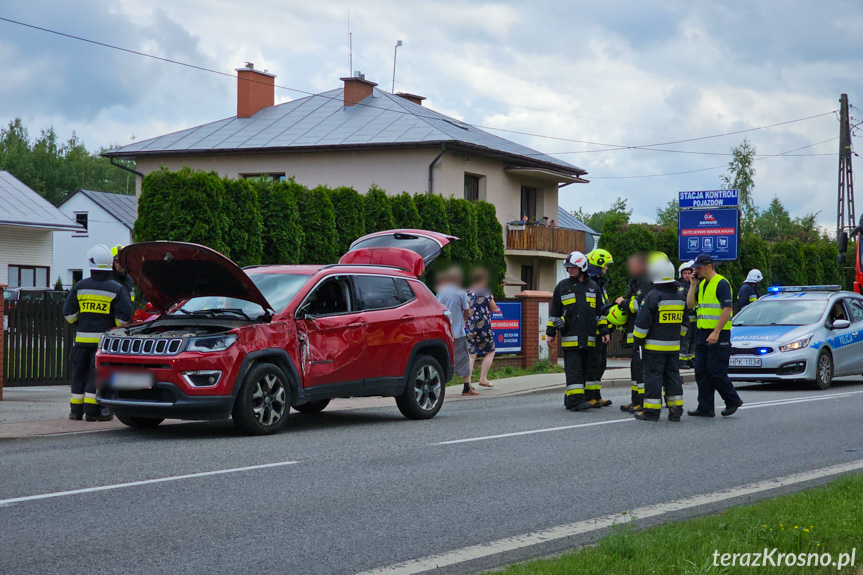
(609, 147)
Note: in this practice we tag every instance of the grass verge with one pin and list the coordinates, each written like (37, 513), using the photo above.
(507, 371)
(818, 521)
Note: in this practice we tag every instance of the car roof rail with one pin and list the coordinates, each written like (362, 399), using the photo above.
(379, 266)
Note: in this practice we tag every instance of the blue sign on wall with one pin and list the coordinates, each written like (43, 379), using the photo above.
(712, 232)
(709, 199)
(506, 326)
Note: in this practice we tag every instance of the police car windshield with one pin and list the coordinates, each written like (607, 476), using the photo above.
(783, 311)
(279, 289)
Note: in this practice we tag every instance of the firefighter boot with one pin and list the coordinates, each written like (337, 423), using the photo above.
(102, 415)
(674, 413)
(647, 415)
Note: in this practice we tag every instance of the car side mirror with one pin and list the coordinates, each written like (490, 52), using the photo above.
(841, 324)
(842, 242)
(303, 311)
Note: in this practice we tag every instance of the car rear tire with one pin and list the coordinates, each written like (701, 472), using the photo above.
(823, 370)
(424, 391)
(312, 407)
(140, 422)
(263, 402)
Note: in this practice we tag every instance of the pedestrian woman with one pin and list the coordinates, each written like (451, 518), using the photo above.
(480, 339)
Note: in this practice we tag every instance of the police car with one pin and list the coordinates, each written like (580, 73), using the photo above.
(798, 333)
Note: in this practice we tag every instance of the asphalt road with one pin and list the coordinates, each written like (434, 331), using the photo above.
(369, 489)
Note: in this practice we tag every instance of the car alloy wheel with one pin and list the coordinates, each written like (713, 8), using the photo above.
(269, 400)
(427, 387)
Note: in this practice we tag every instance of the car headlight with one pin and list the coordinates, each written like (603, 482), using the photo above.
(797, 344)
(212, 343)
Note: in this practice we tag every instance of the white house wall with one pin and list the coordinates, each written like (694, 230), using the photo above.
(70, 248)
(25, 246)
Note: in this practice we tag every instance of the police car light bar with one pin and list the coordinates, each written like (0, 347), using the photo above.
(783, 289)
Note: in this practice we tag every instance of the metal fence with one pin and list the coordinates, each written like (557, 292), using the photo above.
(37, 343)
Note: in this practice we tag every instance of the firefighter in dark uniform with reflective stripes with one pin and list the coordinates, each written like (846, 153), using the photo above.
(660, 323)
(687, 342)
(574, 315)
(94, 305)
(120, 275)
(597, 266)
(749, 290)
(637, 290)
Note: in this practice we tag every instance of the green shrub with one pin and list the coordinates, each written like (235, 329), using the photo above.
(186, 206)
(623, 240)
(788, 265)
(490, 243)
(349, 208)
(461, 216)
(378, 214)
(319, 224)
(282, 235)
(432, 211)
(243, 234)
(404, 210)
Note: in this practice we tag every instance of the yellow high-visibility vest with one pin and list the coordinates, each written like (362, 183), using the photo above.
(709, 306)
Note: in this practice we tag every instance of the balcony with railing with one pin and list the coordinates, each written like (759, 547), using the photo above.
(530, 239)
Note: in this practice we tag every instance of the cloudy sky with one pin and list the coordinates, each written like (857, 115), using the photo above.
(625, 73)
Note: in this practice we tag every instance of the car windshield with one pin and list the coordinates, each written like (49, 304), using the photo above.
(279, 289)
(782, 312)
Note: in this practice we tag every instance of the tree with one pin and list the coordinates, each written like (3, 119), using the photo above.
(667, 216)
(615, 216)
(775, 224)
(462, 223)
(186, 206)
(319, 223)
(404, 210)
(378, 214)
(350, 216)
(490, 243)
(282, 238)
(432, 211)
(741, 177)
(623, 240)
(243, 235)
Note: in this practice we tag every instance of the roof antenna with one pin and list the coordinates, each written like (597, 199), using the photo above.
(350, 47)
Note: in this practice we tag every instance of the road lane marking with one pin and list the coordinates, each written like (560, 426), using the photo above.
(143, 482)
(483, 550)
(804, 399)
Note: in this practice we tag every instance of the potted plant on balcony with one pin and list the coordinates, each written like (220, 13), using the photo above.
(517, 224)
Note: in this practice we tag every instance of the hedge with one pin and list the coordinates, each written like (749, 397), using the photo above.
(243, 235)
(318, 219)
(349, 208)
(488, 239)
(282, 235)
(378, 214)
(404, 210)
(461, 216)
(432, 211)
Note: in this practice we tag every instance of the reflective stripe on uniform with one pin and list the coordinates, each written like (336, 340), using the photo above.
(87, 337)
(567, 299)
(674, 400)
(683, 330)
(629, 337)
(77, 399)
(752, 298)
(591, 300)
(592, 385)
(652, 403)
(662, 345)
(633, 384)
(640, 387)
(671, 304)
(591, 341)
(97, 294)
(90, 398)
(633, 305)
(639, 332)
(569, 341)
(72, 317)
(575, 389)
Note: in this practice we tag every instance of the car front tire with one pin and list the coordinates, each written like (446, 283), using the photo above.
(140, 422)
(424, 391)
(263, 402)
(823, 370)
(312, 407)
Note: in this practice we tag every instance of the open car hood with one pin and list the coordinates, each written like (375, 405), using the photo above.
(169, 272)
(373, 248)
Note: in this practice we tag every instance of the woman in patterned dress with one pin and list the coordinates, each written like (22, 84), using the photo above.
(480, 339)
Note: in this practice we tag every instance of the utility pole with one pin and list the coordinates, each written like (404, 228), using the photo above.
(845, 217)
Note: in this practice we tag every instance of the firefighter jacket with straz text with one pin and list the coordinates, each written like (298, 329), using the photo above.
(662, 320)
(636, 291)
(95, 305)
(575, 313)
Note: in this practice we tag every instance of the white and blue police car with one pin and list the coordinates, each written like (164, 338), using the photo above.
(798, 333)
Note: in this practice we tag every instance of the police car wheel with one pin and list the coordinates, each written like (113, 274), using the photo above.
(140, 422)
(312, 406)
(424, 389)
(823, 370)
(263, 402)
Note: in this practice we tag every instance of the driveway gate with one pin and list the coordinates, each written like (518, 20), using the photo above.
(37, 343)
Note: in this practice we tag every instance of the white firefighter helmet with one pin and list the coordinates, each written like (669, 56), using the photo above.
(684, 266)
(99, 257)
(753, 277)
(576, 260)
(660, 271)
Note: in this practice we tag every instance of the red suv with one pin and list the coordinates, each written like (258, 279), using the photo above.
(253, 343)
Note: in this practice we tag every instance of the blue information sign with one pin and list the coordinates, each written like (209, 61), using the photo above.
(712, 232)
(709, 199)
(506, 326)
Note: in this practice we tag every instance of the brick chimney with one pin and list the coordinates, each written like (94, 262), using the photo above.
(418, 100)
(357, 89)
(255, 90)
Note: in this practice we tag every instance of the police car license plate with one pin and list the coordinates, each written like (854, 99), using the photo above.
(131, 380)
(745, 362)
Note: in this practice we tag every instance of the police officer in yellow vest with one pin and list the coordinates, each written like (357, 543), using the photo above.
(94, 305)
(710, 294)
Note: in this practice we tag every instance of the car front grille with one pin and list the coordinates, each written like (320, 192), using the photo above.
(141, 346)
(757, 351)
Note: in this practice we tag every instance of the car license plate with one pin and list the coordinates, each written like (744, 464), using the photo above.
(131, 380)
(745, 362)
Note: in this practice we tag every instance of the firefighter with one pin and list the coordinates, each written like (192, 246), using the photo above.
(597, 268)
(749, 290)
(575, 315)
(637, 289)
(660, 324)
(120, 275)
(94, 305)
(687, 342)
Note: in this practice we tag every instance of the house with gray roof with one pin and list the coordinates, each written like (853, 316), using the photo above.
(103, 219)
(358, 135)
(27, 222)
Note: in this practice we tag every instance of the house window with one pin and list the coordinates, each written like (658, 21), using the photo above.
(28, 276)
(527, 277)
(471, 187)
(272, 177)
(82, 219)
(528, 203)
(77, 275)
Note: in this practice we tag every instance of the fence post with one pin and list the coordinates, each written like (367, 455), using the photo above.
(533, 334)
(2, 342)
